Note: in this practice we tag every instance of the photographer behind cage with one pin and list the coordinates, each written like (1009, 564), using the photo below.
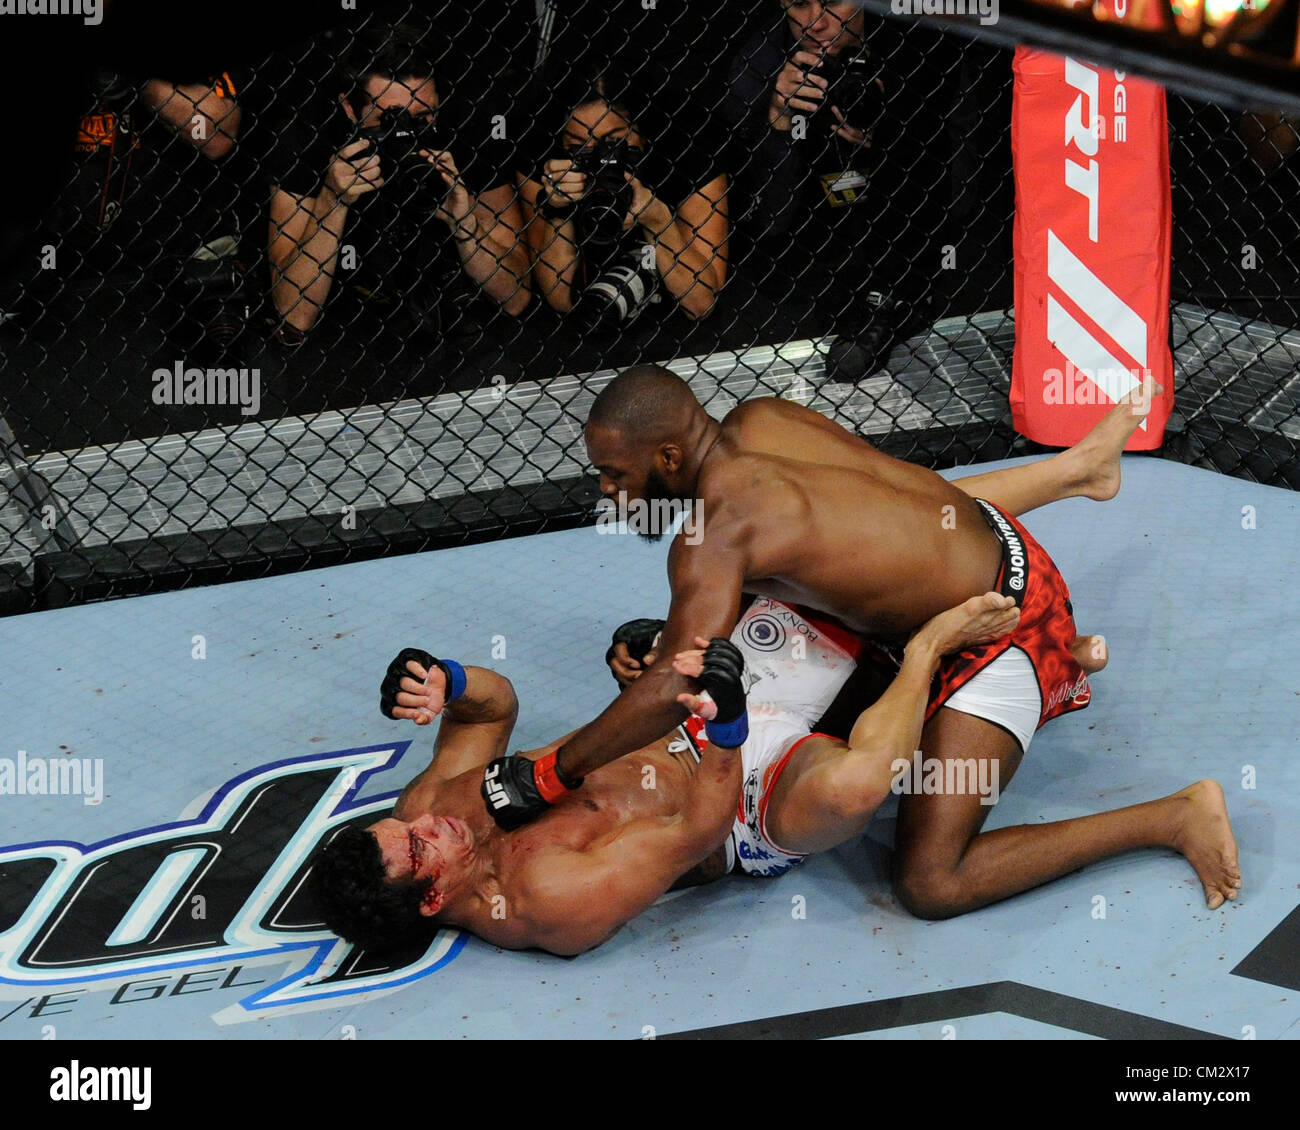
(622, 208)
(807, 108)
(367, 188)
(136, 204)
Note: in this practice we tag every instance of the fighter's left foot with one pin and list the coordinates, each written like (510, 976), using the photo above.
(1098, 453)
(1090, 653)
(1204, 836)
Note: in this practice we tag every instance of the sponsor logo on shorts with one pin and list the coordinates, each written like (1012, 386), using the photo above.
(1016, 557)
(1069, 691)
(946, 776)
(751, 845)
(764, 633)
(786, 617)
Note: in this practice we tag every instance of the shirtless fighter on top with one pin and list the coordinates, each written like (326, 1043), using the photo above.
(793, 507)
(605, 852)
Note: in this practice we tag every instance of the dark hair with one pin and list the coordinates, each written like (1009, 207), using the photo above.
(609, 87)
(394, 52)
(558, 89)
(356, 899)
(644, 403)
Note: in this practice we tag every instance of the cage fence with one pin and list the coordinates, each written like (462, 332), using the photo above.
(356, 295)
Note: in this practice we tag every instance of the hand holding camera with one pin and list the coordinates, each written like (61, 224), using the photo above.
(598, 183)
(799, 89)
(562, 184)
(855, 94)
(848, 83)
(395, 145)
(457, 205)
(354, 171)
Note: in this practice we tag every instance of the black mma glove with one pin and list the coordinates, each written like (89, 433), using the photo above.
(639, 635)
(452, 671)
(517, 791)
(723, 679)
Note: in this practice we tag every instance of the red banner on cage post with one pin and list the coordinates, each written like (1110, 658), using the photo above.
(1092, 242)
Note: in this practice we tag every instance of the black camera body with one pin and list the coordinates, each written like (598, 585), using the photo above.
(604, 206)
(852, 88)
(397, 140)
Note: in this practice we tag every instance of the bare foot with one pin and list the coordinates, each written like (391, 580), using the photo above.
(1090, 653)
(1098, 453)
(1204, 836)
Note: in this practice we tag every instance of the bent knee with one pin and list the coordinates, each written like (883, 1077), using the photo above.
(851, 790)
(929, 894)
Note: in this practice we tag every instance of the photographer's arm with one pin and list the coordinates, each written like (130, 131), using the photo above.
(503, 248)
(553, 248)
(205, 115)
(770, 116)
(305, 233)
(691, 245)
(303, 252)
(486, 230)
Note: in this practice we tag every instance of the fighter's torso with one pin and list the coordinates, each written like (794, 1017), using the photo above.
(834, 524)
(652, 782)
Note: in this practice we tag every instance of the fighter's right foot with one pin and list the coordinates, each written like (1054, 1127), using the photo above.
(1204, 836)
(1098, 453)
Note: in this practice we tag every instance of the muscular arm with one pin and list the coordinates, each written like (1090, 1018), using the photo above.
(552, 247)
(890, 729)
(474, 729)
(707, 580)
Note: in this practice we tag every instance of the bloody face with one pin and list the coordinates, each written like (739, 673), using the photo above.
(437, 848)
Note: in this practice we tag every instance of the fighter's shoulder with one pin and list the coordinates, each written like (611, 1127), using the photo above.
(420, 797)
(745, 478)
(762, 411)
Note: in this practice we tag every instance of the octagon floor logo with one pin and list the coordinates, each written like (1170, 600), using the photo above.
(200, 901)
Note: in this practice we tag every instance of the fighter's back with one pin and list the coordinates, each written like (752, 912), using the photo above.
(837, 525)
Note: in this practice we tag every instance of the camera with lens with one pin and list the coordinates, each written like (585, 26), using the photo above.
(604, 206)
(397, 140)
(851, 87)
(619, 294)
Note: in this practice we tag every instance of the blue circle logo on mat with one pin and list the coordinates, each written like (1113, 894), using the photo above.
(764, 633)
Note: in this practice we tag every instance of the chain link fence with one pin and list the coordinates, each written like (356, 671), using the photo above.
(356, 296)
